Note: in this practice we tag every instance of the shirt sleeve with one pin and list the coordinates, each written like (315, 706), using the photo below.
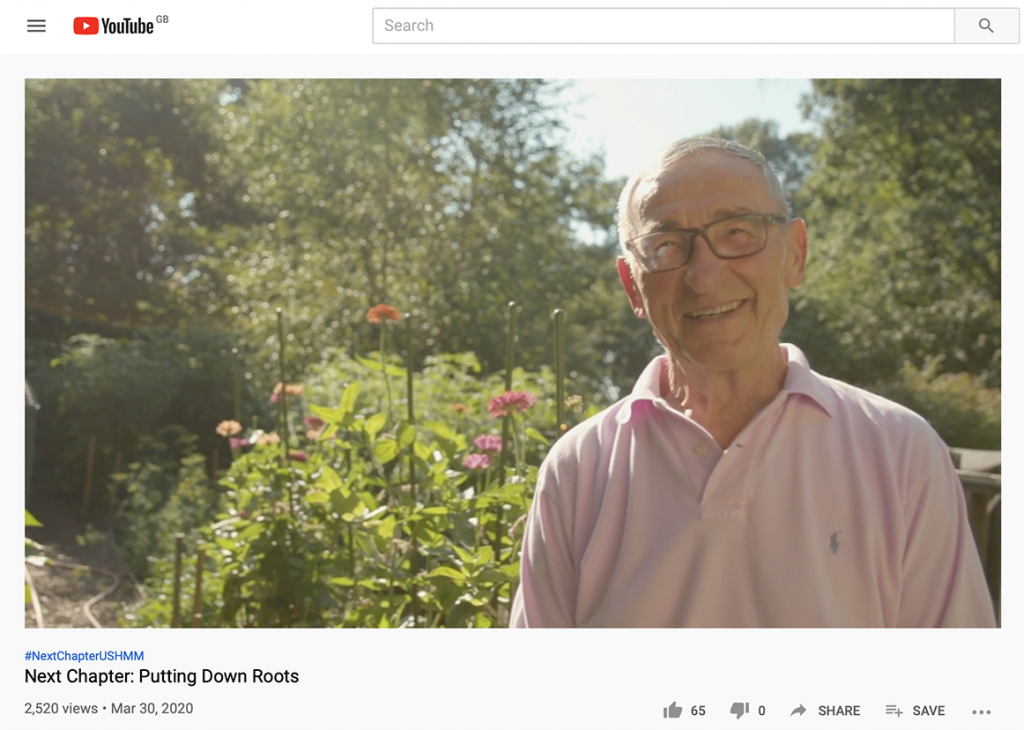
(546, 597)
(943, 581)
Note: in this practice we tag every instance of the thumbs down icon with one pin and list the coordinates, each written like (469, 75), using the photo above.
(738, 708)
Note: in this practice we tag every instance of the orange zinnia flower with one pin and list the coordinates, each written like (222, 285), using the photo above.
(379, 313)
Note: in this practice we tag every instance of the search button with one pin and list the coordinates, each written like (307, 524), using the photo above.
(987, 25)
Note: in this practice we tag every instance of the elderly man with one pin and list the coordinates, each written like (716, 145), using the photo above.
(736, 487)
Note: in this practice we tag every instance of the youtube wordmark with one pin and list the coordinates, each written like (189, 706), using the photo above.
(127, 26)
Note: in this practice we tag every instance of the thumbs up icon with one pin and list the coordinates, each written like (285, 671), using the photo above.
(673, 711)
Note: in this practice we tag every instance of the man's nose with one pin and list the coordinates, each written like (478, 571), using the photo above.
(704, 270)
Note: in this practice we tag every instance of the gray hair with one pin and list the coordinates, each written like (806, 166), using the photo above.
(669, 158)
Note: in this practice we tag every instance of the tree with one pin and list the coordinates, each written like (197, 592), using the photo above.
(114, 171)
(903, 206)
(789, 156)
(446, 200)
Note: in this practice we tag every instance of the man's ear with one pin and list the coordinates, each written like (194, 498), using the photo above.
(796, 252)
(626, 276)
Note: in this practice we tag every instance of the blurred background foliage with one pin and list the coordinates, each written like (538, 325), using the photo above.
(167, 220)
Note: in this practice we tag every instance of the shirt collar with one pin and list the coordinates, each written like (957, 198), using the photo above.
(800, 380)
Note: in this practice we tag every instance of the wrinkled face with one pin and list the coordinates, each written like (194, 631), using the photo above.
(717, 314)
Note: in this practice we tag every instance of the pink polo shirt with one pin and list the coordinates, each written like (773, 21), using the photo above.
(833, 507)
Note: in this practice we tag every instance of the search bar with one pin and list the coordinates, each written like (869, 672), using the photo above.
(494, 26)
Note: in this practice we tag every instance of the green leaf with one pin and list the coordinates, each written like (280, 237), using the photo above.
(386, 528)
(491, 575)
(318, 497)
(31, 521)
(385, 450)
(537, 436)
(28, 594)
(374, 424)
(251, 531)
(329, 479)
(331, 415)
(343, 501)
(406, 434)
(445, 572)
(441, 429)
(371, 364)
(348, 398)
(423, 451)
(343, 581)
(434, 510)
(375, 366)
(484, 555)
(384, 623)
(511, 493)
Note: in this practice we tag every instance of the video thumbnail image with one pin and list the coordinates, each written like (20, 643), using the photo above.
(512, 353)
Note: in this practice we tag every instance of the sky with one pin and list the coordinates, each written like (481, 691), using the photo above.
(633, 120)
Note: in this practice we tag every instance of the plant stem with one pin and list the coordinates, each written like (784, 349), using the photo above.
(351, 553)
(282, 409)
(559, 316)
(384, 367)
(415, 553)
(282, 400)
(179, 548)
(517, 442)
(411, 411)
(510, 349)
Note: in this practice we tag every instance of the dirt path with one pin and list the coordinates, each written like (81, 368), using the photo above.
(63, 591)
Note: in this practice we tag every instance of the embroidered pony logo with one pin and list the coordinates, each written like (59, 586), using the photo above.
(833, 543)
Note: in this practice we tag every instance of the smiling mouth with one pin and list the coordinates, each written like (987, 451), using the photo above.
(714, 312)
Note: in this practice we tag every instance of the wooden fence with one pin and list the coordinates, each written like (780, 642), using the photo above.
(983, 492)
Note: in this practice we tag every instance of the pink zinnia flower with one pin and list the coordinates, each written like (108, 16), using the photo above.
(314, 423)
(488, 442)
(477, 461)
(298, 456)
(509, 402)
(239, 443)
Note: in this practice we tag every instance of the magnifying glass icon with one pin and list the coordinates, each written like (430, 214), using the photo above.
(984, 24)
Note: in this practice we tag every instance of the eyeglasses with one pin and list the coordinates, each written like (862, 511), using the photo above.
(735, 237)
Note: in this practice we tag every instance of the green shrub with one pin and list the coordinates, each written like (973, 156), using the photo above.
(964, 412)
(120, 389)
(166, 492)
(326, 527)
(445, 383)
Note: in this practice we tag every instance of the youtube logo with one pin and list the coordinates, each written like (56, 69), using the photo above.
(87, 26)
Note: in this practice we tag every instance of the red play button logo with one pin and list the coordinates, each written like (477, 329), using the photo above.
(87, 26)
